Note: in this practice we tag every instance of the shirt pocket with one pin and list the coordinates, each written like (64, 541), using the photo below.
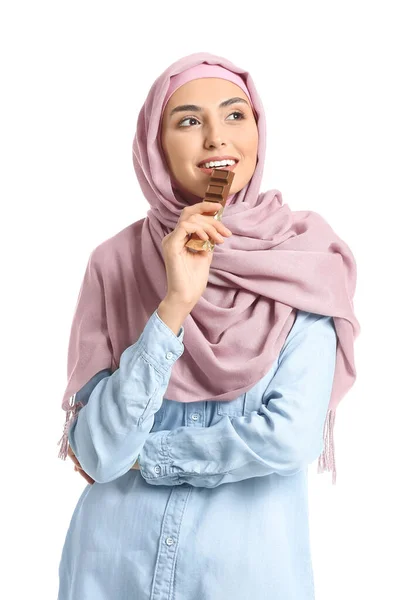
(232, 408)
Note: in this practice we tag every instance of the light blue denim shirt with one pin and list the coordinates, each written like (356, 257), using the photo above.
(219, 507)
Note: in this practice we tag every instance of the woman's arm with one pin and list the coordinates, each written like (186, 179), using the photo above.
(118, 413)
(283, 437)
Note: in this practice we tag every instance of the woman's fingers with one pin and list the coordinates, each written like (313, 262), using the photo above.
(78, 467)
(86, 476)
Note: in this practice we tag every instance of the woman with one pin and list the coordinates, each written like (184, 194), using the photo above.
(225, 426)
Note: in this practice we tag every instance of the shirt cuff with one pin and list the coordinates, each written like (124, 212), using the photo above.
(159, 344)
(180, 332)
(156, 462)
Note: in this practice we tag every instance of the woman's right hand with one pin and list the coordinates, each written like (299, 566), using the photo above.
(188, 271)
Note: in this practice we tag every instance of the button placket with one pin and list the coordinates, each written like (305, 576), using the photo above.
(164, 572)
(195, 414)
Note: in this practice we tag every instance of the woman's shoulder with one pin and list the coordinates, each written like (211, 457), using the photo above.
(308, 324)
(305, 319)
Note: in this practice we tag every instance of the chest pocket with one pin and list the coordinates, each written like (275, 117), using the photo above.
(232, 408)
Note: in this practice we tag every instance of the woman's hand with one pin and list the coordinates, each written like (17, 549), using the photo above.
(78, 466)
(188, 271)
(79, 469)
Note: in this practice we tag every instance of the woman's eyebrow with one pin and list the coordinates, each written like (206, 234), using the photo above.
(195, 108)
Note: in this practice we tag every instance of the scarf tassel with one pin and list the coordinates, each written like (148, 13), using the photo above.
(69, 418)
(326, 460)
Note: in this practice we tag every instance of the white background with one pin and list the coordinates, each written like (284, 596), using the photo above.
(74, 76)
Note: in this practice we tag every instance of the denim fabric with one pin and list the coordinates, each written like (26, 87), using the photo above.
(219, 507)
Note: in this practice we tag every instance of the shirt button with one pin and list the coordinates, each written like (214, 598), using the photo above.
(157, 469)
(195, 416)
(169, 355)
(169, 541)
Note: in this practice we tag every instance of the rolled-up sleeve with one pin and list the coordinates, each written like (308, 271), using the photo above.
(283, 436)
(118, 409)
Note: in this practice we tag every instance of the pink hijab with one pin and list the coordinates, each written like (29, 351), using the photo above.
(276, 261)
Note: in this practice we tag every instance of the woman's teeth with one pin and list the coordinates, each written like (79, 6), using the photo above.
(217, 163)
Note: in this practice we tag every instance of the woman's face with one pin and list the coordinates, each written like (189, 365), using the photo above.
(197, 133)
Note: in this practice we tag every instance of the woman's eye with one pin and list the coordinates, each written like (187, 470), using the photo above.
(187, 119)
(236, 112)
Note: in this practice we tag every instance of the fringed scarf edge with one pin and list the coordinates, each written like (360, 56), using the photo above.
(326, 461)
(69, 419)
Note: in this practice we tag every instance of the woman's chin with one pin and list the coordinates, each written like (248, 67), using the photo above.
(193, 192)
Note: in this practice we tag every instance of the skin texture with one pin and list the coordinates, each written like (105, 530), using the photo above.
(190, 137)
(213, 132)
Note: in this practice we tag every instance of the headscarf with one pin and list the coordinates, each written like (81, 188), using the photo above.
(276, 261)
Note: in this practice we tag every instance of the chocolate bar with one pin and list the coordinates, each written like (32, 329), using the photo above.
(217, 191)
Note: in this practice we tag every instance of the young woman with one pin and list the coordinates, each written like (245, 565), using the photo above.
(202, 385)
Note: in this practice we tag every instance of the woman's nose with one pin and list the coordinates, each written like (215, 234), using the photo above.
(213, 138)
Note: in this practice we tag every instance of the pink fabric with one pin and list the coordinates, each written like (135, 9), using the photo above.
(200, 71)
(276, 261)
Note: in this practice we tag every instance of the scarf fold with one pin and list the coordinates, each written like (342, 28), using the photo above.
(276, 261)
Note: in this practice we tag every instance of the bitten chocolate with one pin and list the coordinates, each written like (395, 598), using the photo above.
(217, 191)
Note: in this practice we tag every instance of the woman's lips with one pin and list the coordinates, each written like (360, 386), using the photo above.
(210, 170)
